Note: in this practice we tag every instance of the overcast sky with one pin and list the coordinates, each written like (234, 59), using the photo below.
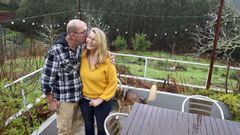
(237, 3)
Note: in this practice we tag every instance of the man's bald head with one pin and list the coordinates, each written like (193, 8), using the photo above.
(75, 24)
(76, 33)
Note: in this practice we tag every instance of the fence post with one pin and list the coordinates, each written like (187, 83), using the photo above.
(145, 68)
(24, 99)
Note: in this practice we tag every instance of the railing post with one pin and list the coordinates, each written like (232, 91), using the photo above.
(145, 68)
(24, 100)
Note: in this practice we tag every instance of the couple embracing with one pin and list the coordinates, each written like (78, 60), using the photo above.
(78, 75)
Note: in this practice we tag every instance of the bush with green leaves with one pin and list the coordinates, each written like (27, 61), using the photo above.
(29, 121)
(9, 103)
(140, 43)
(233, 103)
(120, 43)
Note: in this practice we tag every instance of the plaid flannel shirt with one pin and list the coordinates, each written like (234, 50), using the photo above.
(61, 72)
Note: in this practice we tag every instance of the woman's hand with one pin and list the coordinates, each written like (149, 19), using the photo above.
(95, 102)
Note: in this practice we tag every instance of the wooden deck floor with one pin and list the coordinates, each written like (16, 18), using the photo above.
(151, 120)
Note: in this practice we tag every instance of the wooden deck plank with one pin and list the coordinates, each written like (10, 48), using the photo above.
(149, 120)
(190, 124)
(226, 127)
(239, 124)
(135, 120)
(220, 127)
(208, 125)
(129, 121)
(168, 123)
(141, 119)
(164, 122)
(197, 123)
(146, 122)
(175, 123)
(203, 125)
(180, 124)
(152, 118)
(185, 124)
(214, 126)
(234, 128)
(158, 123)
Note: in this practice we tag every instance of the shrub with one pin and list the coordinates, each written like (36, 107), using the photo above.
(233, 102)
(120, 43)
(29, 121)
(140, 43)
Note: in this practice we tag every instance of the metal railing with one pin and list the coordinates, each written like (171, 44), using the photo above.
(26, 106)
(29, 106)
(146, 63)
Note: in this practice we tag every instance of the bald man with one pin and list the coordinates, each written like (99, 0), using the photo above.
(60, 78)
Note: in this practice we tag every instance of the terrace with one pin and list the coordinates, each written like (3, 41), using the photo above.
(166, 100)
(25, 108)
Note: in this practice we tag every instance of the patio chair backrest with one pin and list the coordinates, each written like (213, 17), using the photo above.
(202, 105)
(113, 123)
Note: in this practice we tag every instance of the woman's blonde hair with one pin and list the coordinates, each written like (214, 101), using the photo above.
(101, 43)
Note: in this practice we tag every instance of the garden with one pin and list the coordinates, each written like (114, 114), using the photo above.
(149, 48)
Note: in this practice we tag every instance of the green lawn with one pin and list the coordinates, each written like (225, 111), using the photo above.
(22, 66)
(184, 73)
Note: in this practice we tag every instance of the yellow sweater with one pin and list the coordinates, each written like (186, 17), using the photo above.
(99, 83)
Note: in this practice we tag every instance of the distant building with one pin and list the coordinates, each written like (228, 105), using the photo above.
(4, 16)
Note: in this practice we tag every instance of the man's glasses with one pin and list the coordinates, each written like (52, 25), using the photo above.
(82, 33)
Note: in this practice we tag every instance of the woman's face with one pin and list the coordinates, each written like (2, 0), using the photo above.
(91, 41)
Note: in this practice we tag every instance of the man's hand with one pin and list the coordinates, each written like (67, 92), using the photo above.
(95, 102)
(52, 104)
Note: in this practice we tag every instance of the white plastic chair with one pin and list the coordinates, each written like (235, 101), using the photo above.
(199, 104)
(113, 123)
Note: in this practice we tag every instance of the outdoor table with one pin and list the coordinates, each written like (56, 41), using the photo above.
(150, 120)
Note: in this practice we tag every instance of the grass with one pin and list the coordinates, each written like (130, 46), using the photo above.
(184, 73)
(166, 55)
(190, 74)
(21, 66)
(181, 77)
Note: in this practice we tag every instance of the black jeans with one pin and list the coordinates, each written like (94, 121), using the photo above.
(100, 112)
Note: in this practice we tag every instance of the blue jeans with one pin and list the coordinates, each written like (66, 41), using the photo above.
(100, 112)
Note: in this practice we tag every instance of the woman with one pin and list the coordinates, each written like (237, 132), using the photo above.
(99, 80)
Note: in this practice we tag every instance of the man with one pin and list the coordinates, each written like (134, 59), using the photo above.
(60, 79)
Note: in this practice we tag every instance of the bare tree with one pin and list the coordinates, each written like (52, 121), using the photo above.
(229, 38)
(96, 20)
(48, 34)
(2, 59)
(173, 47)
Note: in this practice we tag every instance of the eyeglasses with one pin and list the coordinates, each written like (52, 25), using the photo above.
(82, 33)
